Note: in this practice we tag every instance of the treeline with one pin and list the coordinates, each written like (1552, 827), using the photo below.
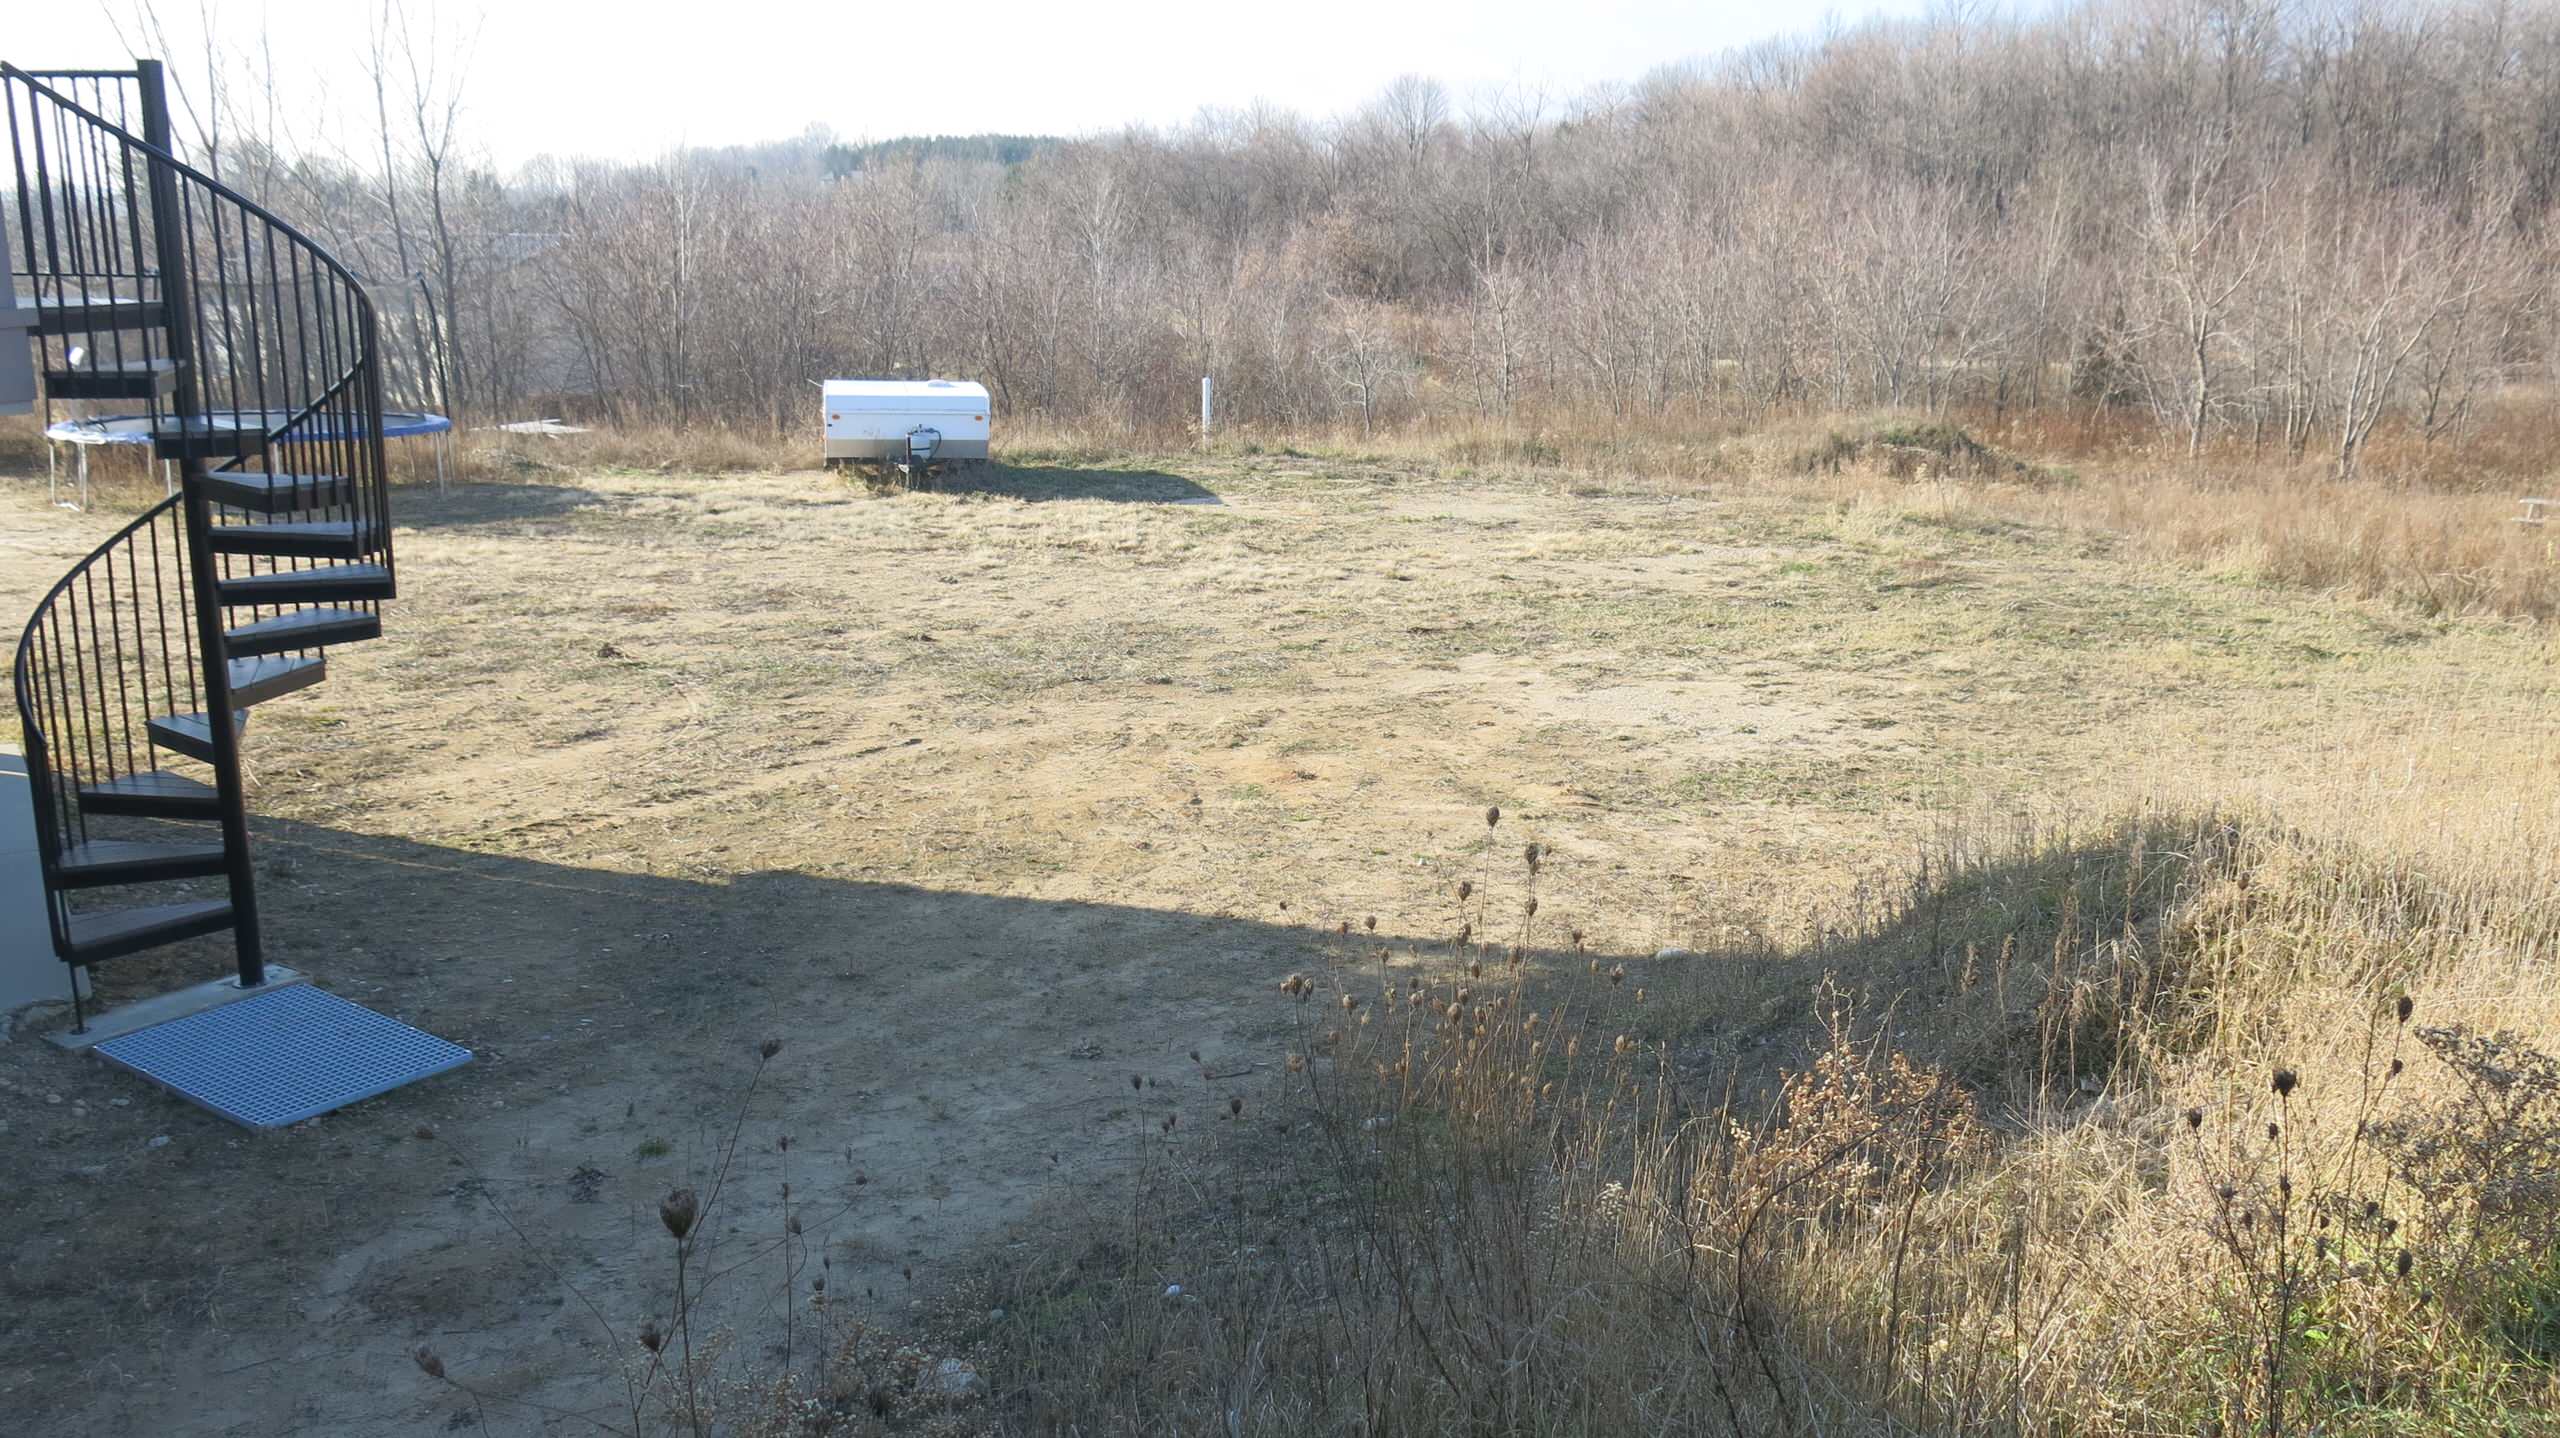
(2291, 222)
(845, 161)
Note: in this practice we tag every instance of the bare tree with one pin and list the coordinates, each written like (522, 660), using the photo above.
(380, 43)
(2305, 225)
(437, 65)
(2199, 251)
(1364, 358)
(1498, 331)
(2399, 276)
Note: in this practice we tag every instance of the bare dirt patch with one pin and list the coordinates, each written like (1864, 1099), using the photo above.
(987, 803)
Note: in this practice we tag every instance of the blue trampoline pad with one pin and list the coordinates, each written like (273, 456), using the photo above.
(136, 428)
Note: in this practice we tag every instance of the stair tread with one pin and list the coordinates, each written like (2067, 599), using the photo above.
(200, 438)
(190, 734)
(129, 366)
(196, 720)
(104, 850)
(301, 619)
(263, 677)
(96, 314)
(109, 861)
(260, 476)
(298, 538)
(318, 574)
(113, 379)
(152, 794)
(359, 569)
(290, 526)
(152, 784)
(145, 924)
(295, 630)
(276, 493)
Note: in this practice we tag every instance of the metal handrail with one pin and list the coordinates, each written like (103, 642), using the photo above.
(218, 309)
(66, 613)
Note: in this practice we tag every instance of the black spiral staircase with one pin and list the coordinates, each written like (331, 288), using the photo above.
(255, 356)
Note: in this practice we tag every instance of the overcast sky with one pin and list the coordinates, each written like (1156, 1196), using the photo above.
(634, 78)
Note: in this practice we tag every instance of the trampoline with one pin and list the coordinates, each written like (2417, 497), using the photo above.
(119, 429)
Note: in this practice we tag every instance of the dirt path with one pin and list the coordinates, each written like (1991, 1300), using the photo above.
(982, 805)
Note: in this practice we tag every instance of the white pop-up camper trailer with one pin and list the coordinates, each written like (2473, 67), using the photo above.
(911, 424)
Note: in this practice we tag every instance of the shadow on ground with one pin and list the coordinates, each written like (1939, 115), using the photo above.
(952, 1062)
(457, 505)
(1040, 482)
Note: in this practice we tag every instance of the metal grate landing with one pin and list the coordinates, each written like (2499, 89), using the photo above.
(283, 1056)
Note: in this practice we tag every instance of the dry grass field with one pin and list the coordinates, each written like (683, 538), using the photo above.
(1010, 808)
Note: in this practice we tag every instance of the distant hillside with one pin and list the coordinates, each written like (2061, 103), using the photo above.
(843, 160)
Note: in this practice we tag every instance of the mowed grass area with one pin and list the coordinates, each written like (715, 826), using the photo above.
(1799, 689)
(2084, 833)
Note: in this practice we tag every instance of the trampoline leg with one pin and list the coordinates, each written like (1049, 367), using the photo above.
(83, 461)
(168, 477)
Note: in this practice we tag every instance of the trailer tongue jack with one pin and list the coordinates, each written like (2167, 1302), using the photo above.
(922, 442)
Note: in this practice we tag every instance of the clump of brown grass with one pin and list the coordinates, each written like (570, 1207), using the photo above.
(21, 444)
(2436, 537)
(2437, 551)
(1911, 448)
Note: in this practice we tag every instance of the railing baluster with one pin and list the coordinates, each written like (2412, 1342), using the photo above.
(94, 700)
(174, 258)
(133, 210)
(186, 611)
(61, 691)
(282, 462)
(160, 614)
(18, 166)
(300, 460)
(113, 624)
(99, 193)
(140, 667)
(258, 356)
(75, 715)
(44, 191)
(222, 306)
(77, 203)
